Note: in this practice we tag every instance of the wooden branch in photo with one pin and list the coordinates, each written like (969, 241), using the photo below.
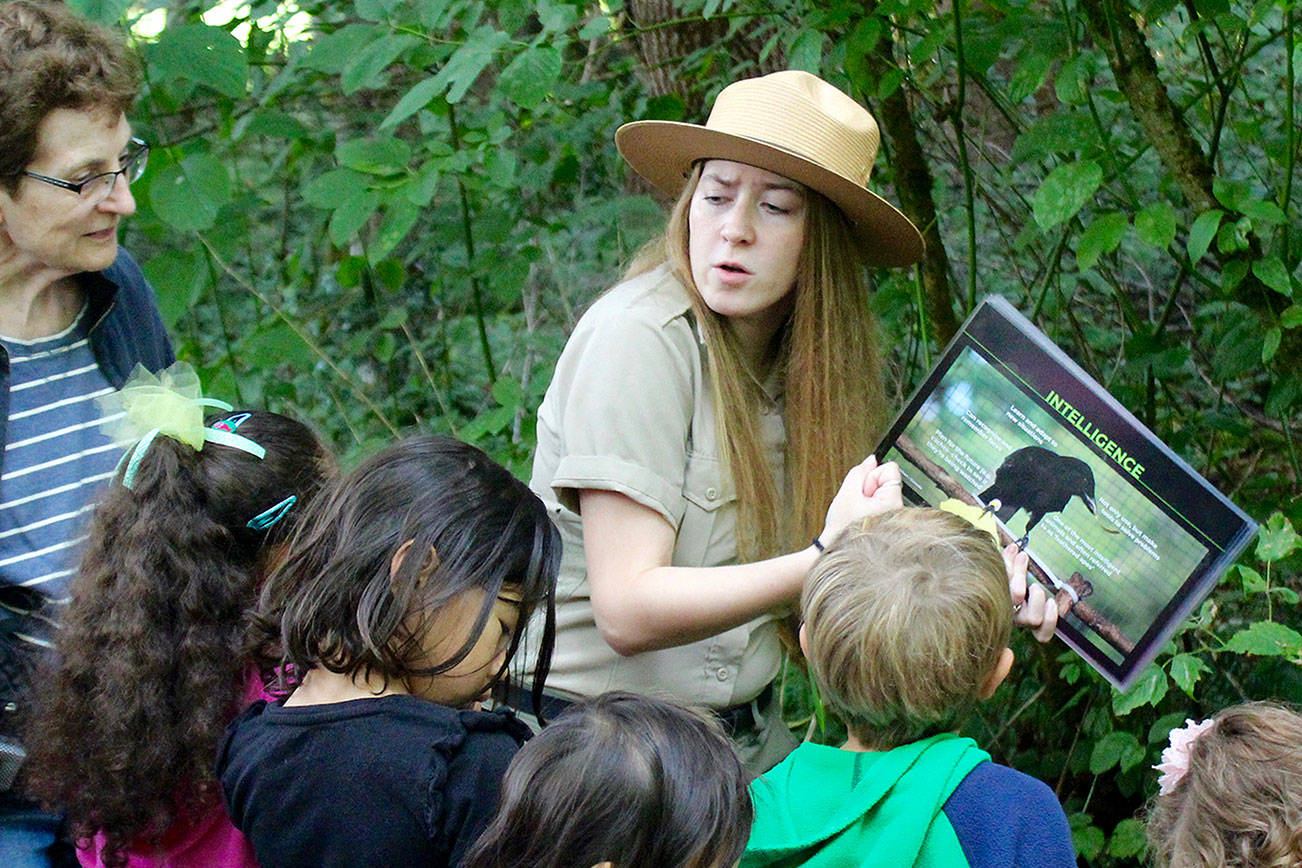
(1086, 613)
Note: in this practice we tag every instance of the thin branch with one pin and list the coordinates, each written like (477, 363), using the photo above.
(357, 390)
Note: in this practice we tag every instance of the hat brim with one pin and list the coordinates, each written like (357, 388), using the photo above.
(663, 152)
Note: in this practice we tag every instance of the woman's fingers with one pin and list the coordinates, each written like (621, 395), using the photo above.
(869, 488)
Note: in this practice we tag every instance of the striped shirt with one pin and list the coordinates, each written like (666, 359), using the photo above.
(56, 461)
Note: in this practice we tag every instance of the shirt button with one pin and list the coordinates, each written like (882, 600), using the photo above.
(722, 675)
(711, 493)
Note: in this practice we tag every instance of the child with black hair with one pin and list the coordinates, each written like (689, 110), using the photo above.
(398, 608)
(151, 663)
(621, 781)
(906, 627)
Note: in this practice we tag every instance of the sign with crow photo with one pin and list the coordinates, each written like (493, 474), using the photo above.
(1010, 432)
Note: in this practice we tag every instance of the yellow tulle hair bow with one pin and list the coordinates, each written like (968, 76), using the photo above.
(170, 403)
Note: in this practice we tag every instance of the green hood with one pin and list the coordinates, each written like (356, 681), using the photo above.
(829, 808)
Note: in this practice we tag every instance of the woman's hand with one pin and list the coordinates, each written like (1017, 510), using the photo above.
(868, 489)
(1032, 607)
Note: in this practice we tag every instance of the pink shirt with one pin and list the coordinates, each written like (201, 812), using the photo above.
(208, 841)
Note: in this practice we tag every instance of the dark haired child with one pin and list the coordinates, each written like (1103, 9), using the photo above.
(626, 781)
(151, 665)
(906, 625)
(1230, 794)
(396, 611)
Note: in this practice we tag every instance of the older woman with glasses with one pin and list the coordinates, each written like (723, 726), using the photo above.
(76, 316)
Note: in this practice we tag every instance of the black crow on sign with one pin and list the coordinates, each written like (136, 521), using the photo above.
(1039, 481)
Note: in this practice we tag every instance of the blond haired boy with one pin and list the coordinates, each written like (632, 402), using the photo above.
(906, 625)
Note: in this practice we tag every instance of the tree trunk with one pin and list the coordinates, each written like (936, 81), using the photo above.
(913, 184)
(664, 41)
(1135, 70)
(1136, 73)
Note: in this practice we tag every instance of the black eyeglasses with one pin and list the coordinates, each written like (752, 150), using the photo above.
(97, 189)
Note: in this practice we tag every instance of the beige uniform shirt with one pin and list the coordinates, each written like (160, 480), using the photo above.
(630, 409)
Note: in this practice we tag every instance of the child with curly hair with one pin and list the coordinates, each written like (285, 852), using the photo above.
(151, 652)
(1230, 793)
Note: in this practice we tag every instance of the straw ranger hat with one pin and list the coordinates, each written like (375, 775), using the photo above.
(796, 125)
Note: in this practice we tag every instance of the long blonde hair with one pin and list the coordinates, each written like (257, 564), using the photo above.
(828, 361)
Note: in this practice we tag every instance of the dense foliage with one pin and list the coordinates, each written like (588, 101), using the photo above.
(387, 214)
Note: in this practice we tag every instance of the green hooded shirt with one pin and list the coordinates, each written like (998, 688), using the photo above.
(824, 807)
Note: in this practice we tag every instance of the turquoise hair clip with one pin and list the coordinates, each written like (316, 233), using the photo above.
(169, 403)
(268, 517)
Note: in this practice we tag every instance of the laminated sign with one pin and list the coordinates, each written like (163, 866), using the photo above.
(1126, 535)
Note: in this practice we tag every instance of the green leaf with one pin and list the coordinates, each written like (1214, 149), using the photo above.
(1029, 74)
(1252, 581)
(1263, 211)
(332, 188)
(1065, 191)
(1285, 394)
(1087, 838)
(508, 392)
(179, 278)
(1156, 224)
(598, 25)
(556, 17)
(276, 344)
(1113, 749)
(1072, 82)
(385, 156)
(1231, 194)
(205, 55)
(1270, 344)
(100, 11)
(399, 217)
(375, 10)
(366, 68)
(350, 271)
(334, 51)
(351, 215)
(188, 196)
(1149, 689)
(868, 31)
(1266, 639)
(413, 101)
(529, 78)
(1202, 233)
(1186, 670)
(468, 61)
(1059, 133)
(1271, 271)
(806, 52)
(1102, 236)
(1233, 272)
(890, 82)
(490, 422)
(1291, 316)
(1278, 539)
(1160, 731)
(394, 318)
(1128, 839)
(275, 124)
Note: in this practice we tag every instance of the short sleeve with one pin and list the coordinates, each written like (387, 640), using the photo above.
(474, 764)
(620, 408)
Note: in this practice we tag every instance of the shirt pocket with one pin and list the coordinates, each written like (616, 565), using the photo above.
(708, 534)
